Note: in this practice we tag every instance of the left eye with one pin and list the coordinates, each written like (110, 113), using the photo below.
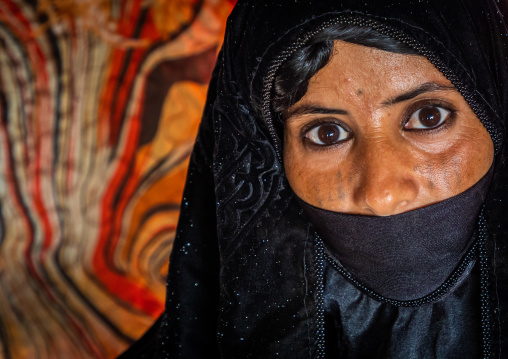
(427, 118)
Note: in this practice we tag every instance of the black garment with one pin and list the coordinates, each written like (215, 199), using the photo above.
(246, 273)
(403, 286)
(359, 325)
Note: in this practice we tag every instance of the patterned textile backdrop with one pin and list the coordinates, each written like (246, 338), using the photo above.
(100, 102)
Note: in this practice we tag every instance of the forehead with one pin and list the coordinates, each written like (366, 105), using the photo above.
(375, 74)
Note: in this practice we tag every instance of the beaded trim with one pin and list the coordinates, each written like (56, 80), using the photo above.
(320, 293)
(485, 300)
(432, 297)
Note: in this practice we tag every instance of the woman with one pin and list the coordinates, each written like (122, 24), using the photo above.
(345, 194)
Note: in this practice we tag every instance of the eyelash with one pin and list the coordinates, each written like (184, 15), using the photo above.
(412, 110)
(447, 122)
(320, 122)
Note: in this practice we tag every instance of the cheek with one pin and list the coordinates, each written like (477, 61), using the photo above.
(459, 167)
(312, 181)
(477, 154)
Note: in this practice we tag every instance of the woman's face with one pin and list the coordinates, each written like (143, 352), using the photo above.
(380, 133)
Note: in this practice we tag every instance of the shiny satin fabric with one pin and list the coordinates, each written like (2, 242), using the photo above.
(359, 326)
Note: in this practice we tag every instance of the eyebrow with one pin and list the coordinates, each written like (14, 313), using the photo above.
(425, 87)
(319, 110)
(315, 110)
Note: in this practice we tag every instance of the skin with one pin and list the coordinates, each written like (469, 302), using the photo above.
(383, 156)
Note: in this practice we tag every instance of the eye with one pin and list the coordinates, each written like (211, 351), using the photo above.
(427, 118)
(327, 134)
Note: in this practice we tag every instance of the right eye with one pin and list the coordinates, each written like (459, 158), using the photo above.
(327, 134)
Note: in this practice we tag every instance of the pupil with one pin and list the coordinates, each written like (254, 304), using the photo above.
(429, 117)
(328, 134)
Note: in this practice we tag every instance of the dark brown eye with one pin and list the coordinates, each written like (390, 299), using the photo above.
(327, 134)
(427, 118)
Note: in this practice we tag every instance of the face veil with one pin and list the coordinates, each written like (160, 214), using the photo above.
(248, 273)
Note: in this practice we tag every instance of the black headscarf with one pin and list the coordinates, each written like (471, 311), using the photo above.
(245, 277)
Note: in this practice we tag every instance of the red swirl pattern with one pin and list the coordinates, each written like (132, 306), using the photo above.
(99, 110)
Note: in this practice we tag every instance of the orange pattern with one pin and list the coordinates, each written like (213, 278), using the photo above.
(100, 101)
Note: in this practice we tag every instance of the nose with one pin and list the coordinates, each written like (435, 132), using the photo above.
(386, 184)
